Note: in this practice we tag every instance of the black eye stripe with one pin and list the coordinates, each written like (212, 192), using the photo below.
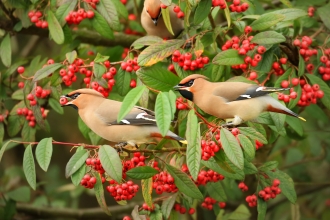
(74, 96)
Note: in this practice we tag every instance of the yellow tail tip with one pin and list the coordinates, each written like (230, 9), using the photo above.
(184, 142)
(301, 118)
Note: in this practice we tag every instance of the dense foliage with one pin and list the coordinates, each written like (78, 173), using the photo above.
(252, 171)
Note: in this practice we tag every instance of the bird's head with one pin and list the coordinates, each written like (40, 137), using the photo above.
(153, 9)
(79, 98)
(189, 85)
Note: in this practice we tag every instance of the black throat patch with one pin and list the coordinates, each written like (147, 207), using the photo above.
(187, 94)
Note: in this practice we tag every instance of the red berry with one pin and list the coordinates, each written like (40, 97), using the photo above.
(276, 182)
(253, 75)
(132, 83)
(180, 14)
(127, 218)
(163, 6)
(285, 84)
(261, 49)
(90, 14)
(248, 29)
(176, 9)
(30, 97)
(63, 101)
(222, 205)
(21, 85)
(20, 69)
(191, 211)
(295, 81)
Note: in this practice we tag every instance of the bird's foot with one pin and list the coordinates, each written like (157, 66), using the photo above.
(120, 146)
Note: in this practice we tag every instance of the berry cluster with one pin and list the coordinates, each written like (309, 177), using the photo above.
(92, 3)
(130, 65)
(124, 2)
(75, 17)
(35, 17)
(136, 161)
(95, 164)
(208, 203)
(209, 148)
(182, 210)
(311, 11)
(221, 3)
(29, 116)
(69, 74)
(304, 44)
(242, 186)
(124, 191)
(258, 145)
(208, 176)
(252, 200)
(324, 68)
(147, 208)
(270, 192)
(88, 181)
(310, 93)
(163, 182)
(185, 60)
(238, 7)
(178, 11)
(180, 104)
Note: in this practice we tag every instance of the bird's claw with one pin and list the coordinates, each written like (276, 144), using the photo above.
(120, 146)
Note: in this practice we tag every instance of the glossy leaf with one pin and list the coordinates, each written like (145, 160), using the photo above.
(123, 80)
(75, 162)
(163, 113)
(266, 21)
(28, 133)
(130, 101)
(324, 14)
(111, 162)
(100, 58)
(21, 194)
(268, 166)
(5, 51)
(248, 147)
(184, 183)
(290, 13)
(241, 212)
(232, 148)
(56, 105)
(55, 29)
(228, 57)
(194, 152)
(167, 19)
(268, 37)
(77, 176)
(44, 153)
(202, 11)
(287, 184)
(3, 149)
(99, 194)
(142, 172)
(99, 70)
(64, 10)
(71, 56)
(249, 168)
(108, 11)
(158, 51)
(101, 26)
(146, 41)
(216, 191)
(147, 190)
(167, 205)
(29, 167)
(301, 67)
(158, 78)
(253, 134)
(46, 71)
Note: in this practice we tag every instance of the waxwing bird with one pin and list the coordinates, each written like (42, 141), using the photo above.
(152, 20)
(227, 100)
(100, 115)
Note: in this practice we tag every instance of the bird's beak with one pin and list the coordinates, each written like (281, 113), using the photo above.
(155, 20)
(66, 104)
(178, 87)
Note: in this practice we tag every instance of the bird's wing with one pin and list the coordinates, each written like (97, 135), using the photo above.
(136, 118)
(236, 91)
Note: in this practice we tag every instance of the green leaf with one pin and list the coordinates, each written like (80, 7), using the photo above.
(194, 151)
(3, 149)
(5, 51)
(287, 3)
(99, 194)
(100, 58)
(101, 25)
(111, 162)
(266, 21)
(157, 78)
(253, 134)
(142, 172)
(2, 133)
(55, 29)
(108, 11)
(28, 133)
(249, 168)
(44, 153)
(301, 68)
(228, 57)
(268, 166)
(29, 167)
(71, 56)
(285, 76)
(278, 121)
(248, 147)
(167, 205)
(147, 190)
(202, 11)
(213, 165)
(54, 104)
(18, 95)
(77, 176)
(99, 70)
(242, 212)
(163, 113)
(268, 37)
(158, 51)
(15, 124)
(323, 86)
(172, 99)
(156, 215)
(121, 9)
(232, 148)
(130, 101)
(184, 183)
(83, 128)
(227, 14)
(167, 19)
(21, 194)
(145, 41)
(75, 162)
(290, 13)
(287, 184)
(261, 206)
(46, 71)
(324, 14)
(216, 191)
(64, 10)
(296, 125)
(123, 80)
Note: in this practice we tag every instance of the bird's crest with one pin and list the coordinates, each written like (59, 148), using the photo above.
(193, 77)
(153, 8)
(84, 91)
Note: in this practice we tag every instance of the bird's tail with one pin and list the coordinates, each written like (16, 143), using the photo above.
(284, 110)
(273, 89)
(178, 138)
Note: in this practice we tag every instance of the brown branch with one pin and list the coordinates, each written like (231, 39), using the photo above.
(85, 213)
(84, 36)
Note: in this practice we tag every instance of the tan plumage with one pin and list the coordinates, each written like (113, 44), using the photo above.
(152, 20)
(226, 100)
(100, 115)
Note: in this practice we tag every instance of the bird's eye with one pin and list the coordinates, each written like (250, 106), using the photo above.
(190, 83)
(74, 96)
